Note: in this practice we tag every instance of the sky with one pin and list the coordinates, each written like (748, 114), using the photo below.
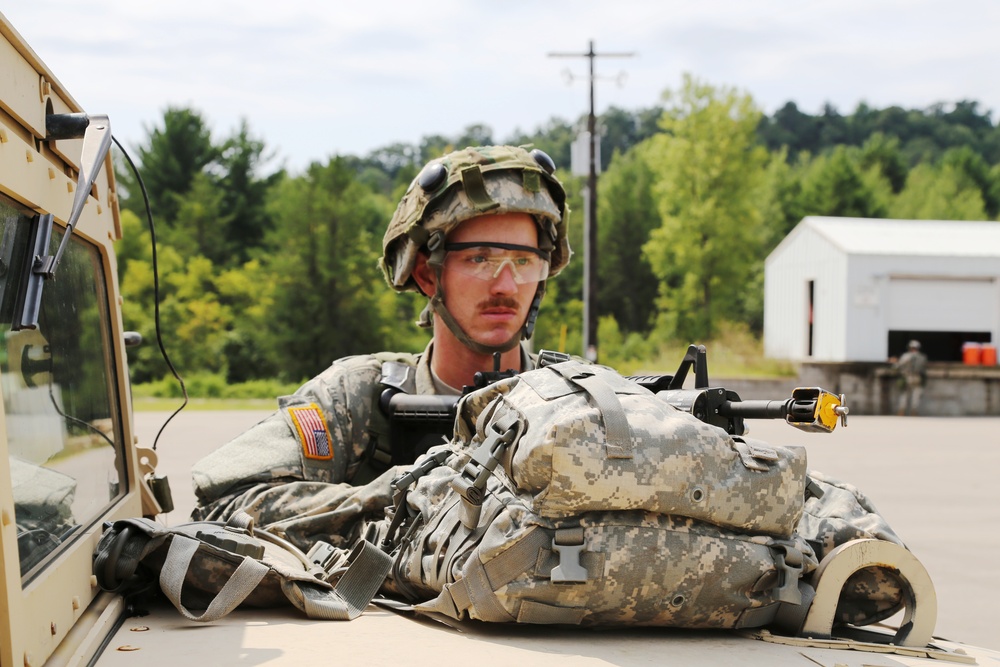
(320, 78)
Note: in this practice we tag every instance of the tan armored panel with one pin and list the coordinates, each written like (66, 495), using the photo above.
(56, 609)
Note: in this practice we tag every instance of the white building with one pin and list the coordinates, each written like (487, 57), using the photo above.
(857, 289)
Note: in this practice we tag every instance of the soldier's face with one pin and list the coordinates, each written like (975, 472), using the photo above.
(491, 311)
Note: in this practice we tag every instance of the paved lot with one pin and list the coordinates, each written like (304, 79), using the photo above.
(934, 479)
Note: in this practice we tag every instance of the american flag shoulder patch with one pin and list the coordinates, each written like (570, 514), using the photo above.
(313, 434)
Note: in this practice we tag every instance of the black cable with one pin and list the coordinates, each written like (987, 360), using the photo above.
(156, 290)
(74, 420)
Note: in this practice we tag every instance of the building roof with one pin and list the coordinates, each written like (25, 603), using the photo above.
(878, 236)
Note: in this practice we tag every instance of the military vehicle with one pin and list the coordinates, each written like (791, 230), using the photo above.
(71, 464)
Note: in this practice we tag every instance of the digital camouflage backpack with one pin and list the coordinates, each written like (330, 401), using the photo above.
(572, 495)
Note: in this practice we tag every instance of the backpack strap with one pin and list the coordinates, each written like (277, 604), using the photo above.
(241, 584)
(479, 582)
(126, 543)
(616, 427)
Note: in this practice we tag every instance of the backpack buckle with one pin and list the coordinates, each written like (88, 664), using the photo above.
(471, 484)
(788, 561)
(568, 544)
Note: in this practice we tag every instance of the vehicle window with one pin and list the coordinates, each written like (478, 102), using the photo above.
(62, 423)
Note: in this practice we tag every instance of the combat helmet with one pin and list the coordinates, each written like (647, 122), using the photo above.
(465, 184)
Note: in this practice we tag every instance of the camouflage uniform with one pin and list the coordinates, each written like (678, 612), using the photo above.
(280, 471)
(912, 367)
(297, 471)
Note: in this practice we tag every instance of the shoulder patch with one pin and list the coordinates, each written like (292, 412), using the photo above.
(313, 434)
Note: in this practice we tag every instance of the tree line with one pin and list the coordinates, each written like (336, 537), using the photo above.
(270, 274)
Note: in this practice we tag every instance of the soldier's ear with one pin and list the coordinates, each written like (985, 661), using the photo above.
(423, 275)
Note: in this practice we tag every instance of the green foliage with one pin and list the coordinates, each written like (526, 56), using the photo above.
(627, 214)
(923, 134)
(882, 154)
(265, 274)
(735, 351)
(202, 231)
(620, 350)
(177, 151)
(779, 199)
(939, 193)
(708, 169)
(835, 184)
(213, 385)
(323, 257)
(243, 218)
(560, 320)
(134, 243)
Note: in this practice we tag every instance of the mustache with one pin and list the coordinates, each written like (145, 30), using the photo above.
(499, 302)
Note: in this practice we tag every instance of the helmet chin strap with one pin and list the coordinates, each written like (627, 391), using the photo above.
(437, 305)
(436, 262)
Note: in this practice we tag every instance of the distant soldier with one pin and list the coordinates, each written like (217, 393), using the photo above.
(912, 368)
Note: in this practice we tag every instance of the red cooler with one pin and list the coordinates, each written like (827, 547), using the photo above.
(989, 355)
(972, 354)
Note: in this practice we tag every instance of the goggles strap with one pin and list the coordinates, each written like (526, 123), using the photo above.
(541, 252)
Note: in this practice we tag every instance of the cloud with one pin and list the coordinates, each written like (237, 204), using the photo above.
(315, 79)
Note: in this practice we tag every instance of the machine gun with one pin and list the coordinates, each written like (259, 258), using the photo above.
(418, 422)
(810, 408)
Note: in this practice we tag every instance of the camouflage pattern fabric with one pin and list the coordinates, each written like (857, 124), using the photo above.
(570, 531)
(275, 450)
(304, 513)
(639, 568)
(216, 567)
(266, 470)
(512, 179)
(677, 464)
(599, 540)
(837, 514)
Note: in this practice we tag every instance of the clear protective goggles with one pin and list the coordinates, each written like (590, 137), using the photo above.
(485, 261)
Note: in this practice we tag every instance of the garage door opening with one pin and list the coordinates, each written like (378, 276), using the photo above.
(937, 345)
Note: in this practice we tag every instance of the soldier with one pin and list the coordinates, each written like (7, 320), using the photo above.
(912, 367)
(478, 232)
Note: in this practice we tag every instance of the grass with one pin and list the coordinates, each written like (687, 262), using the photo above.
(734, 353)
(723, 361)
(153, 404)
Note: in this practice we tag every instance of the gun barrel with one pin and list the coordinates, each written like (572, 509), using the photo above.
(757, 409)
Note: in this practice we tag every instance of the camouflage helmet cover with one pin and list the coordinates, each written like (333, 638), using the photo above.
(485, 180)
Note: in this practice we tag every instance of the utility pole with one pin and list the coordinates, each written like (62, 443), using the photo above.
(590, 214)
